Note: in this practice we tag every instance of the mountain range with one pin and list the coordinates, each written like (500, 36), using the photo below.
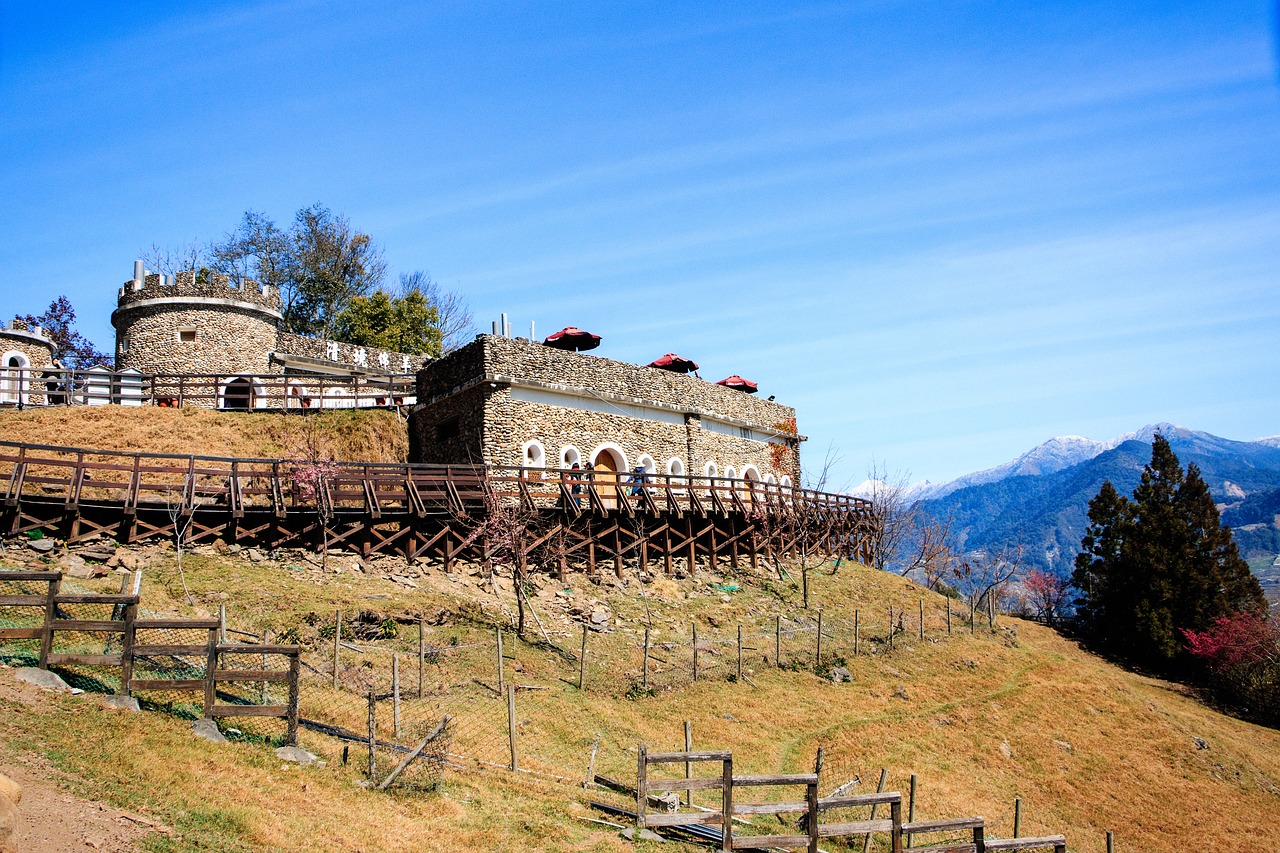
(1041, 499)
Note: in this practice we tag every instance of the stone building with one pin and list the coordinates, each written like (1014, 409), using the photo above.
(211, 326)
(515, 402)
(25, 351)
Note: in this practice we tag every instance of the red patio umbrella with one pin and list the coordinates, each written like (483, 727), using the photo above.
(674, 363)
(738, 383)
(572, 338)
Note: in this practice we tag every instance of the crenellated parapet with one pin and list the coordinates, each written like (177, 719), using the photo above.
(202, 287)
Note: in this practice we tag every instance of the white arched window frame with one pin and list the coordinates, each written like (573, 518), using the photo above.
(646, 462)
(570, 456)
(675, 468)
(257, 391)
(750, 475)
(14, 383)
(338, 398)
(613, 449)
(785, 485)
(533, 455)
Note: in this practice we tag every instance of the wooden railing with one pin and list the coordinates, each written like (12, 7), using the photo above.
(198, 662)
(810, 809)
(32, 387)
(187, 484)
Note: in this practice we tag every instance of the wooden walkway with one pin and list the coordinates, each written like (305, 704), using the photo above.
(555, 520)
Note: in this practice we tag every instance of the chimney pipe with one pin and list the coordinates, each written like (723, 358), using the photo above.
(495, 328)
(506, 327)
(138, 273)
(532, 333)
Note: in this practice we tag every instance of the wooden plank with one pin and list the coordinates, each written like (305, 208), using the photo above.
(23, 600)
(681, 757)
(859, 800)
(776, 779)
(86, 660)
(257, 649)
(944, 825)
(685, 784)
(110, 626)
(769, 808)
(1025, 843)
(21, 633)
(711, 819)
(184, 684)
(764, 842)
(140, 650)
(958, 847)
(857, 827)
(277, 675)
(193, 624)
(250, 710)
(94, 598)
(30, 576)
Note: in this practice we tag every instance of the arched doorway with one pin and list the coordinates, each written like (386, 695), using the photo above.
(13, 382)
(750, 485)
(608, 462)
(237, 394)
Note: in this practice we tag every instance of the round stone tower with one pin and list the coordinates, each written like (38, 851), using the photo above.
(189, 324)
(25, 352)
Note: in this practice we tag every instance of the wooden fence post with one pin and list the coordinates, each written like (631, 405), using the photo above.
(884, 777)
(502, 684)
(739, 654)
(511, 725)
(688, 765)
(695, 651)
(337, 641)
(210, 665)
(373, 732)
(1017, 817)
(126, 647)
(422, 652)
(895, 816)
(1111, 842)
(948, 617)
(777, 641)
(856, 634)
(817, 655)
(295, 696)
(811, 802)
(582, 660)
(591, 763)
(911, 809)
(395, 694)
(642, 786)
(50, 612)
(922, 618)
(644, 677)
(726, 807)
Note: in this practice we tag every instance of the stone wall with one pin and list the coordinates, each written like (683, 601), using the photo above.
(24, 388)
(211, 286)
(501, 394)
(227, 340)
(357, 358)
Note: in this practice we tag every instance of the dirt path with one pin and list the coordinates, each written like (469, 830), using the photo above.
(50, 820)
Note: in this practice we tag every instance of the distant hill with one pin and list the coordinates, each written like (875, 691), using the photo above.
(1041, 498)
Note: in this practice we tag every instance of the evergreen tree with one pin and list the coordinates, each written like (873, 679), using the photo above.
(1159, 564)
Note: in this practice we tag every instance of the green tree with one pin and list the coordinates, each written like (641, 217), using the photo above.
(1159, 564)
(406, 323)
(320, 264)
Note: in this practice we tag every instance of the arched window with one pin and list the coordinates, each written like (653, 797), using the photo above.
(646, 462)
(785, 483)
(242, 393)
(710, 470)
(675, 468)
(533, 455)
(570, 456)
(13, 378)
(731, 473)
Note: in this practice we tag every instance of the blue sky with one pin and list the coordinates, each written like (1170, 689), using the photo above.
(943, 231)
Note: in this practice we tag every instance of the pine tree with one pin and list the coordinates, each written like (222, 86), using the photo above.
(1159, 564)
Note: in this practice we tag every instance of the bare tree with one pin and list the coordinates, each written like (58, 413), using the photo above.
(904, 537)
(983, 576)
(453, 315)
(171, 260)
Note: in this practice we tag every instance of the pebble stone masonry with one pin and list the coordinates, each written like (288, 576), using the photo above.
(210, 325)
(22, 348)
(504, 401)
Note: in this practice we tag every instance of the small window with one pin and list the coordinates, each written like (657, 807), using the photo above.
(124, 345)
(186, 336)
(448, 429)
(535, 456)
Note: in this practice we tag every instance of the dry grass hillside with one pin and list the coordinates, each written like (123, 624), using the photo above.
(371, 436)
(981, 717)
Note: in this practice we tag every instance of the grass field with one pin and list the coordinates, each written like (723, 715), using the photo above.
(1018, 712)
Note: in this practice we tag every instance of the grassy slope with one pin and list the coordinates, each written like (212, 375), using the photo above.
(1088, 746)
(374, 436)
(1131, 765)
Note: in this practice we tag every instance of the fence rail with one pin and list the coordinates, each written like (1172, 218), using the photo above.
(118, 640)
(98, 386)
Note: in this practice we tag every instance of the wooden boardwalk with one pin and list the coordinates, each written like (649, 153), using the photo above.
(548, 519)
